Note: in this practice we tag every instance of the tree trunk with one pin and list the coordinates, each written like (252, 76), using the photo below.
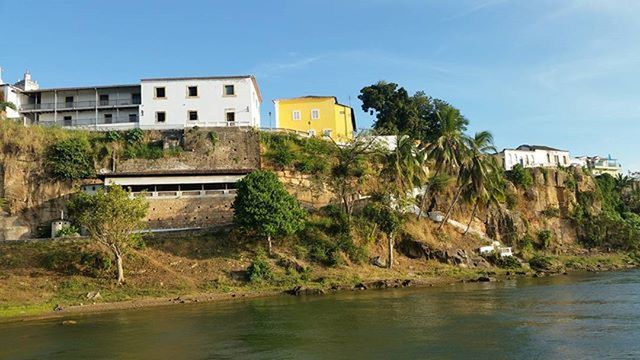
(120, 268)
(450, 210)
(423, 202)
(270, 244)
(390, 259)
(473, 214)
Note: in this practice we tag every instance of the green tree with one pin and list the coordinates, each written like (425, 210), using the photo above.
(406, 169)
(475, 173)
(263, 206)
(111, 218)
(388, 221)
(349, 170)
(397, 112)
(70, 159)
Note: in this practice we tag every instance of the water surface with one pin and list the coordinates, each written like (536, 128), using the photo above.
(565, 317)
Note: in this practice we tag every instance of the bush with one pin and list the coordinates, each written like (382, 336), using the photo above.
(213, 137)
(541, 263)
(520, 177)
(551, 212)
(504, 262)
(134, 136)
(511, 200)
(70, 159)
(112, 136)
(68, 231)
(545, 238)
(260, 270)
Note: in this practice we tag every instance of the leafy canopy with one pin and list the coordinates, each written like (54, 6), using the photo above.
(70, 159)
(262, 205)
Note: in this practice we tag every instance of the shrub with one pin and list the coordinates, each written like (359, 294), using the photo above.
(511, 200)
(68, 231)
(504, 262)
(543, 263)
(260, 270)
(134, 136)
(213, 137)
(520, 177)
(112, 136)
(545, 238)
(70, 159)
(551, 212)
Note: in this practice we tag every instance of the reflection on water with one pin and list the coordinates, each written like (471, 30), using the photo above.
(575, 316)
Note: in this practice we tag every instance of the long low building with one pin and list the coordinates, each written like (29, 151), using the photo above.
(157, 103)
(531, 156)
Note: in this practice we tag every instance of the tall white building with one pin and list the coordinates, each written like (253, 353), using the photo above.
(531, 156)
(165, 103)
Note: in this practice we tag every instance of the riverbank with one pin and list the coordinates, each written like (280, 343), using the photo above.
(41, 281)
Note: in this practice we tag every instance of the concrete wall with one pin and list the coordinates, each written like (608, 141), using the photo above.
(211, 103)
(9, 93)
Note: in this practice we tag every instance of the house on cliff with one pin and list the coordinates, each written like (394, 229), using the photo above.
(531, 156)
(151, 104)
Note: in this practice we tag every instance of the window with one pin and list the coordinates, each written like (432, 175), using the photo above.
(108, 118)
(104, 99)
(133, 117)
(69, 101)
(193, 115)
(160, 92)
(548, 159)
(136, 98)
(192, 91)
(326, 132)
(231, 116)
(315, 114)
(229, 90)
(296, 114)
(312, 132)
(161, 116)
(67, 120)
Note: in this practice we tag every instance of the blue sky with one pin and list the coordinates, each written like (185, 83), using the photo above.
(562, 73)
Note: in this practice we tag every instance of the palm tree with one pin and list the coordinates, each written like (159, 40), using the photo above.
(475, 170)
(491, 195)
(406, 168)
(446, 152)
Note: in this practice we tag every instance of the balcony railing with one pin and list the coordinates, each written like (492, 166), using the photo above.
(79, 105)
(91, 121)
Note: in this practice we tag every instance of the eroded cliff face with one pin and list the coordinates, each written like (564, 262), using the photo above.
(32, 200)
(544, 208)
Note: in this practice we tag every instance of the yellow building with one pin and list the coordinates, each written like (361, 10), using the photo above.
(317, 116)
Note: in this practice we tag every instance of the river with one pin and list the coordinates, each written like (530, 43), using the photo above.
(576, 316)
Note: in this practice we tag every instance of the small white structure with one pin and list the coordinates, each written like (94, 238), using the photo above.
(602, 165)
(58, 225)
(531, 156)
(496, 247)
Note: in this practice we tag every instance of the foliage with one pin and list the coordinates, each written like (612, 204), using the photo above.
(387, 219)
(68, 231)
(112, 136)
(545, 238)
(70, 159)
(397, 112)
(511, 199)
(4, 105)
(520, 176)
(213, 137)
(307, 155)
(260, 270)
(111, 218)
(541, 263)
(134, 136)
(551, 212)
(405, 169)
(504, 262)
(263, 206)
